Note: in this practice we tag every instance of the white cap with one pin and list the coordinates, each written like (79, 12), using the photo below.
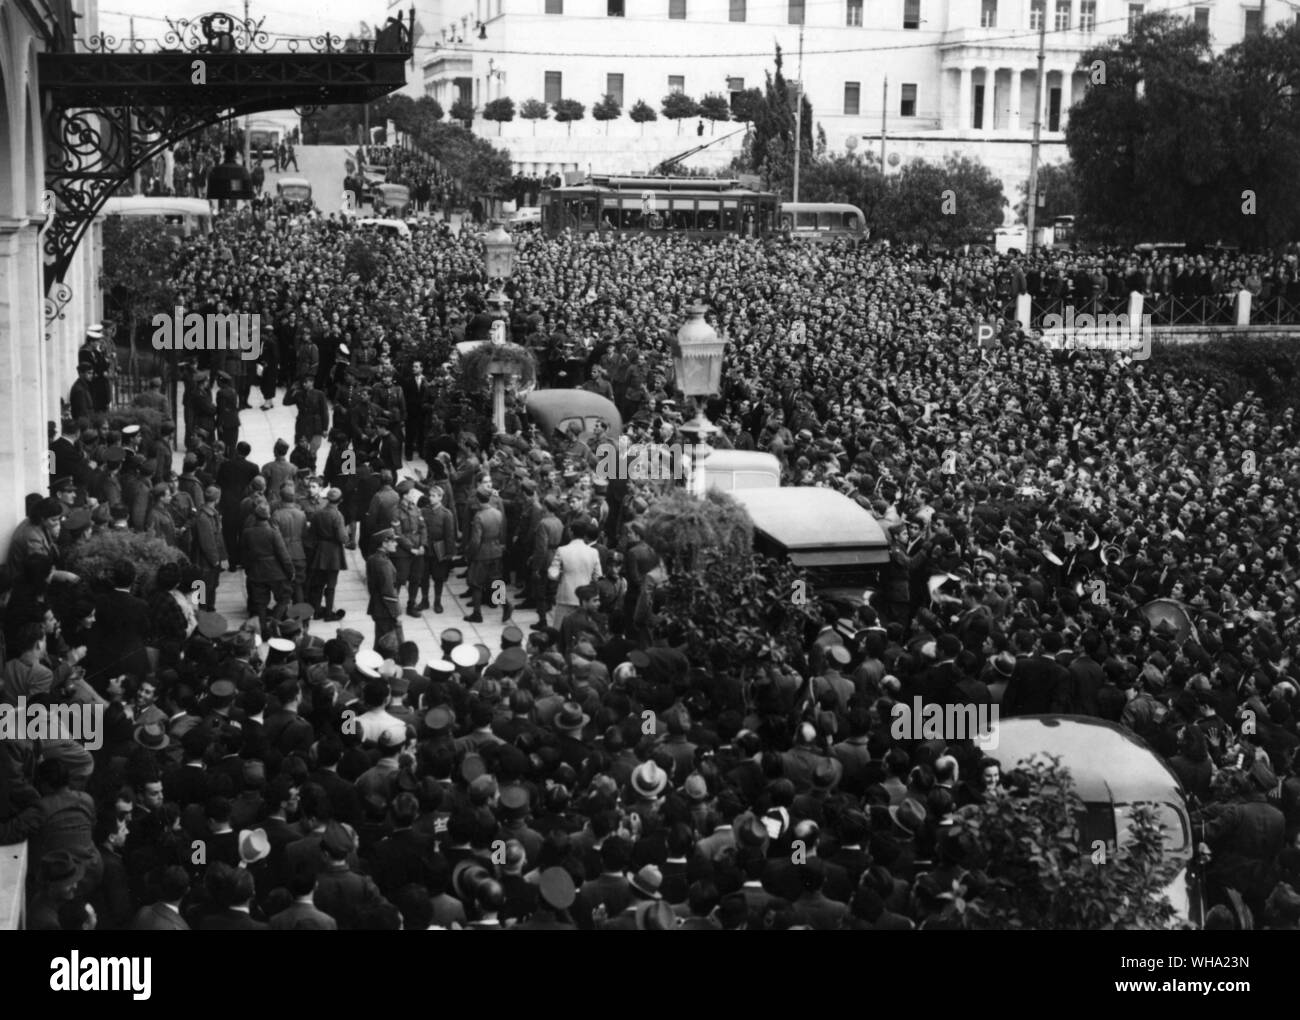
(464, 655)
(369, 661)
(279, 644)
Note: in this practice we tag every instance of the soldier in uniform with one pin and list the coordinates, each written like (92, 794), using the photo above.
(381, 583)
(330, 536)
(412, 542)
(203, 412)
(209, 546)
(227, 410)
(290, 520)
(483, 553)
(388, 397)
(81, 398)
(269, 568)
(440, 529)
(92, 351)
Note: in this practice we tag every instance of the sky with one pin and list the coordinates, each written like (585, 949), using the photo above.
(290, 17)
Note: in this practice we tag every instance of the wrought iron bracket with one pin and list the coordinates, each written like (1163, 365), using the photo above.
(107, 114)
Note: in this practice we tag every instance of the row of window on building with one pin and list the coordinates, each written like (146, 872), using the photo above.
(554, 91)
(1063, 14)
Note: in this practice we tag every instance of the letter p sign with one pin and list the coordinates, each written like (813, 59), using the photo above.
(986, 335)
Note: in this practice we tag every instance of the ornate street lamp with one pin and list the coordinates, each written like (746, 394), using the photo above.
(697, 360)
(229, 181)
(498, 253)
(499, 264)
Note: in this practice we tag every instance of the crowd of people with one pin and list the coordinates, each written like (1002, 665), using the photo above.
(588, 772)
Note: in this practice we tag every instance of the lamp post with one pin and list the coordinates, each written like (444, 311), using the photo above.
(697, 360)
(499, 263)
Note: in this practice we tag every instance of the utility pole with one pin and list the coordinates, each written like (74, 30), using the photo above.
(884, 112)
(1032, 213)
(798, 115)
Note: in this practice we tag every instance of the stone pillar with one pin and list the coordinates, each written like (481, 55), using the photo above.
(1135, 301)
(1017, 87)
(1243, 307)
(963, 100)
(1024, 310)
(23, 445)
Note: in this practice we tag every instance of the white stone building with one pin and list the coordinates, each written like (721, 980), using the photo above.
(936, 76)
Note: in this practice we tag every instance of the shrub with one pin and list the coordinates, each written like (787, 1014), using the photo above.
(93, 558)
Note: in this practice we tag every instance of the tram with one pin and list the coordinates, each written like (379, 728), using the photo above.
(694, 207)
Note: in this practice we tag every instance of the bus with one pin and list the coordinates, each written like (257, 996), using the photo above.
(695, 207)
(823, 221)
(180, 217)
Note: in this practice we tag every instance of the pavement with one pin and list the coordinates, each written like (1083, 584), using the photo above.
(260, 429)
(323, 165)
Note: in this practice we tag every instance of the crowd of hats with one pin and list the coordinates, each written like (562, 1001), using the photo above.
(1042, 474)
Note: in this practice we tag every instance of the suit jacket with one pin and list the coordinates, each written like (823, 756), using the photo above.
(118, 639)
(1037, 686)
(81, 401)
(574, 565)
(227, 408)
(231, 920)
(265, 556)
(158, 917)
(303, 917)
(233, 478)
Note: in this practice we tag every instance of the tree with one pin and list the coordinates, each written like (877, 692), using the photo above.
(958, 202)
(137, 275)
(642, 113)
(746, 106)
(1178, 143)
(607, 109)
(715, 107)
(1037, 876)
(680, 528)
(678, 106)
(723, 610)
(463, 110)
(569, 110)
(769, 146)
(846, 178)
(500, 110)
(1056, 194)
(534, 110)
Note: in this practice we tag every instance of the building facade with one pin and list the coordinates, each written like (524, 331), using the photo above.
(38, 339)
(932, 76)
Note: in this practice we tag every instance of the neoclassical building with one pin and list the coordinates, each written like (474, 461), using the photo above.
(935, 76)
(37, 355)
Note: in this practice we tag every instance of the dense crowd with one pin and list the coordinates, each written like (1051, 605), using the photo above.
(588, 772)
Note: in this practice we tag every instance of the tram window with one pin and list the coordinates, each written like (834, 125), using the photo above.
(571, 208)
(683, 215)
(805, 220)
(730, 217)
(851, 222)
(787, 221)
(609, 217)
(588, 211)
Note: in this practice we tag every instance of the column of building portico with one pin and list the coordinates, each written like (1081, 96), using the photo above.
(23, 460)
(1017, 87)
(964, 99)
